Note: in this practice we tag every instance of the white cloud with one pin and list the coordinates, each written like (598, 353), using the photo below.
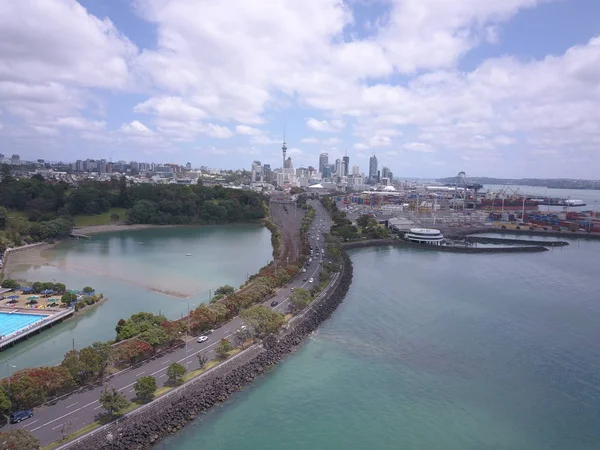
(48, 131)
(79, 123)
(264, 140)
(136, 128)
(379, 141)
(418, 147)
(332, 126)
(360, 146)
(247, 130)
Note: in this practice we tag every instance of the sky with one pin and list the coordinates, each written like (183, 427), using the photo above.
(505, 88)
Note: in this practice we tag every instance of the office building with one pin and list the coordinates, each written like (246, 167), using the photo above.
(323, 161)
(373, 167)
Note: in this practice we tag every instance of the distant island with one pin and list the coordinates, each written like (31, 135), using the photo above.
(551, 183)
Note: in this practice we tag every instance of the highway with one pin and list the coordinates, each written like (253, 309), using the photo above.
(51, 423)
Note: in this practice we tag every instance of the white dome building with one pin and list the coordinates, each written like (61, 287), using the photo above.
(427, 236)
(389, 189)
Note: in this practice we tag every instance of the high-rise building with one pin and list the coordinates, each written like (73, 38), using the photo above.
(257, 172)
(373, 167)
(346, 161)
(267, 174)
(356, 170)
(385, 172)
(323, 161)
(338, 167)
(284, 150)
(15, 160)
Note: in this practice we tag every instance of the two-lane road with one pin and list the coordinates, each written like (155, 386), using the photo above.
(74, 412)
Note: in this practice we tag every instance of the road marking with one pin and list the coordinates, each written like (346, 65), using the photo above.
(141, 373)
(31, 423)
(58, 426)
(97, 407)
(163, 375)
(167, 361)
(131, 390)
(72, 404)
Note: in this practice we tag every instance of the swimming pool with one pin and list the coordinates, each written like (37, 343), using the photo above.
(11, 322)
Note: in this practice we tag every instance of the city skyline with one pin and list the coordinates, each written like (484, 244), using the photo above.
(435, 88)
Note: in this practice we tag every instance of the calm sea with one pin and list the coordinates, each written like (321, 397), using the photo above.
(141, 270)
(435, 351)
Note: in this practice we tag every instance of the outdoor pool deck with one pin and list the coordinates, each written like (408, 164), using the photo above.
(19, 323)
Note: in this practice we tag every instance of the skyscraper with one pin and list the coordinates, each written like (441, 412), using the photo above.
(346, 160)
(323, 161)
(373, 167)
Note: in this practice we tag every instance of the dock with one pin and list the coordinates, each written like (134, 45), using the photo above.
(48, 321)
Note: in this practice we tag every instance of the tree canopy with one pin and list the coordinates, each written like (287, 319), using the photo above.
(112, 400)
(262, 320)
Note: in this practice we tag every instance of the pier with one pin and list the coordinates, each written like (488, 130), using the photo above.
(48, 321)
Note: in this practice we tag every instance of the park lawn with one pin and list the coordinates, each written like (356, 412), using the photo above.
(100, 219)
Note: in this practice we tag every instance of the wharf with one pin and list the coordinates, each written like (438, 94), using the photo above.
(48, 321)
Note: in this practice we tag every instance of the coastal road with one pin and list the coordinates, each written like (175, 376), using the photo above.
(51, 423)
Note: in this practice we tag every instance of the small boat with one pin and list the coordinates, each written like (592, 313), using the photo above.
(189, 254)
(140, 243)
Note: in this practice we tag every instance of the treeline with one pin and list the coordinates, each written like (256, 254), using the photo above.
(368, 227)
(33, 210)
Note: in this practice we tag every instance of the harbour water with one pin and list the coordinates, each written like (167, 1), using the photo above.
(437, 351)
(137, 270)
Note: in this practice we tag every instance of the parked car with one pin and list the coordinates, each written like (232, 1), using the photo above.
(202, 338)
(274, 303)
(310, 280)
(303, 270)
(18, 416)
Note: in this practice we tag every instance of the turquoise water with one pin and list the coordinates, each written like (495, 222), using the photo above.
(11, 322)
(436, 351)
(137, 270)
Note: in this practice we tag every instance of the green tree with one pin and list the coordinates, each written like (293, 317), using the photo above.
(3, 218)
(175, 373)
(19, 439)
(59, 287)
(155, 336)
(224, 291)
(262, 320)
(202, 360)
(363, 221)
(88, 290)
(145, 387)
(10, 284)
(300, 299)
(223, 348)
(5, 402)
(37, 286)
(68, 297)
(112, 400)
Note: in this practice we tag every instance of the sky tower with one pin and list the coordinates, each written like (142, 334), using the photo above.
(283, 149)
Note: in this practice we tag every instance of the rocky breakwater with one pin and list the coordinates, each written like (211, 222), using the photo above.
(139, 430)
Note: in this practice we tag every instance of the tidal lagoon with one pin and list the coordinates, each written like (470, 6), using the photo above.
(137, 270)
(435, 351)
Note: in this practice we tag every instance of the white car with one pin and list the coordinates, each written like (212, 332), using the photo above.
(310, 280)
(303, 270)
(202, 338)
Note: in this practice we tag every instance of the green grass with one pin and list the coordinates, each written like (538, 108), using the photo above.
(100, 219)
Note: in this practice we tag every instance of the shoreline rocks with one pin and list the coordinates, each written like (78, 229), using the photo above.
(168, 415)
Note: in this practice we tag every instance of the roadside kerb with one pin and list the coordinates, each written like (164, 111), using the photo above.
(160, 400)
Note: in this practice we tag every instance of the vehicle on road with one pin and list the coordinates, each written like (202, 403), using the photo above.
(274, 303)
(310, 280)
(18, 416)
(303, 270)
(304, 279)
(202, 338)
(242, 328)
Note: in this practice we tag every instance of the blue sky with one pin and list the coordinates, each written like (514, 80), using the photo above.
(432, 87)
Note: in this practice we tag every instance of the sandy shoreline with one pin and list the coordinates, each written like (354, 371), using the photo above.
(95, 229)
